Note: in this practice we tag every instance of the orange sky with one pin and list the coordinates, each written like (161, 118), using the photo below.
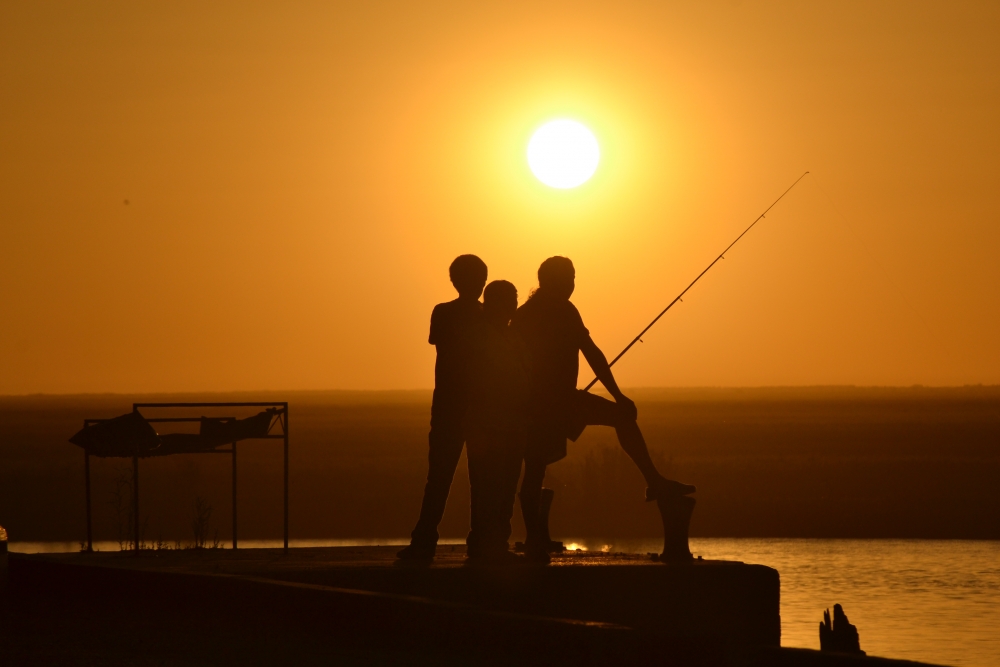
(299, 177)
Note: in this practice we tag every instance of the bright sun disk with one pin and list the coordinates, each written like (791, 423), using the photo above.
(563, 154)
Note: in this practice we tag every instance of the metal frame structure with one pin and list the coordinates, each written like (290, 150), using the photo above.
(282, 414)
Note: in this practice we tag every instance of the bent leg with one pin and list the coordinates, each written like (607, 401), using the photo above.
(598, 411)
(631, 440)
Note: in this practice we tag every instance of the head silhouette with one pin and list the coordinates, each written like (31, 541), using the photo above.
(468, 275)
(499, 302)
(557, 277)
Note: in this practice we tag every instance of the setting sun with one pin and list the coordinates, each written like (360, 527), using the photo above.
(563, 154)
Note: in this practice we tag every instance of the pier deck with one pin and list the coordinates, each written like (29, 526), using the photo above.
(358, 605)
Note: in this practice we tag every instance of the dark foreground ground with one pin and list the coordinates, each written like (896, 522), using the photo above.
(821, 462)
(355, 606)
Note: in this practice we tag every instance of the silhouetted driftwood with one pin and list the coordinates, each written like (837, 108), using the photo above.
(838, 634)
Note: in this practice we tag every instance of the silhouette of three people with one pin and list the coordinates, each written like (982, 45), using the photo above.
(505, 387)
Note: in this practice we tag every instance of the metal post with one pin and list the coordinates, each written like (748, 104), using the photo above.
(234, 494)
(135, 502)
(285, 429)
(86, 472)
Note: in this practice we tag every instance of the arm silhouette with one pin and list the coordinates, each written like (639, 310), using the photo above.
(599, 364)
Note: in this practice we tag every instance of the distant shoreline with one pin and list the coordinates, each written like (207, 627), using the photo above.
(645, 392)
(816, 462)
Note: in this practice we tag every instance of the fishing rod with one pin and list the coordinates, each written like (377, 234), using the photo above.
(722, 255)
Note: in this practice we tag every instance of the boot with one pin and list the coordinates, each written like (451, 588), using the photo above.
(417, 552)
(534, 547)
(544, 507)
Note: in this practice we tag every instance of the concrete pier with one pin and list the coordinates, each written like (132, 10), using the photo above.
(584, 608)
(358, 605)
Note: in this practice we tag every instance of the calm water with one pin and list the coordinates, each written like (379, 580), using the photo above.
(930, 600)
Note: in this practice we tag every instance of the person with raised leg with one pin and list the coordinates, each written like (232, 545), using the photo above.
(554, 334)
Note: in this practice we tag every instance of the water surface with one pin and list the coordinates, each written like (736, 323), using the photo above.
(928, 600)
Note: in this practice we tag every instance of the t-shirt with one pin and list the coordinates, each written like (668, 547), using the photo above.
(553, 332)
(500, 395)
(453, 330)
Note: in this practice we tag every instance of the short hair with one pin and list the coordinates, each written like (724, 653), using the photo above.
(499, 289)
(556, 269)
(467, 269)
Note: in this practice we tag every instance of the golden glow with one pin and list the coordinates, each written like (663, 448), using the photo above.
(563, 154)
(334, 159)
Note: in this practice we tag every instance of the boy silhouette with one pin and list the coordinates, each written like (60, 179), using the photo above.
(497, 423)
(454, 327)
(554, 334)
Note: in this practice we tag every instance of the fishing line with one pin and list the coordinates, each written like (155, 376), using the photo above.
(722, 255)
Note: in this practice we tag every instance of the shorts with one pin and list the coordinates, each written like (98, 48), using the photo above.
(551, 425)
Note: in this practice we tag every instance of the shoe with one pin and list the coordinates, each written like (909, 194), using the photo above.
(553, 547)
(416, 552)
(536, 553)
(667, 488)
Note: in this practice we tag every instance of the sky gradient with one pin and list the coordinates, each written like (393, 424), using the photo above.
(299, 175)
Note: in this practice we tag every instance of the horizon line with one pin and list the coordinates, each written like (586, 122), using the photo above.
(231, 392)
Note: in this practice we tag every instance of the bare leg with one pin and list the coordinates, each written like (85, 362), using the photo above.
(631, 440)
(598, 411)
(657, 486)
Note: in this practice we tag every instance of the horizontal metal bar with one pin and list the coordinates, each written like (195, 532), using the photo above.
(183, 419)
(154, 455)
(90, 422)
(211, 405)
